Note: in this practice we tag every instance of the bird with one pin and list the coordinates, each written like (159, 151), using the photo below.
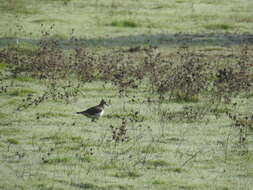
(94, 112)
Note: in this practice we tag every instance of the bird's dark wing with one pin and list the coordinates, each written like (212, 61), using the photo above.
(93, 110)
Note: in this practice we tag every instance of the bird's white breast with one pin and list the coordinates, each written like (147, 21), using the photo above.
(101, 113)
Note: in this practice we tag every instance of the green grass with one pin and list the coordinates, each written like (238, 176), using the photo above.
(48, 146)
(3, 115)
(52, 114)
(166, 6)
(58, 160)
(122, 167)
(18, 7)
(9, 131)
(12, 141)
(47, 21)
(129, 174)
(21, 92)
(124, 23)
(24, 79)
(55, 149)
(2, 66)
(104, 18)
(157, 163)
(216, 27)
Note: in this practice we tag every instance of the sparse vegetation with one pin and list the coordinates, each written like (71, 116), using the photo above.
(179, 118)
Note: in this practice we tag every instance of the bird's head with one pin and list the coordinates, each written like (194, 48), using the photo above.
(103, 102)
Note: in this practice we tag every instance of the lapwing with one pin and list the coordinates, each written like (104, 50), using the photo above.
(94, 112)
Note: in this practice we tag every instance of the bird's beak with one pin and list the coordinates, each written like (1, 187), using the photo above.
(108, 103)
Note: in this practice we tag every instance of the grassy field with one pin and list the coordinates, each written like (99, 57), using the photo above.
(179, 115)
(115, 18)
